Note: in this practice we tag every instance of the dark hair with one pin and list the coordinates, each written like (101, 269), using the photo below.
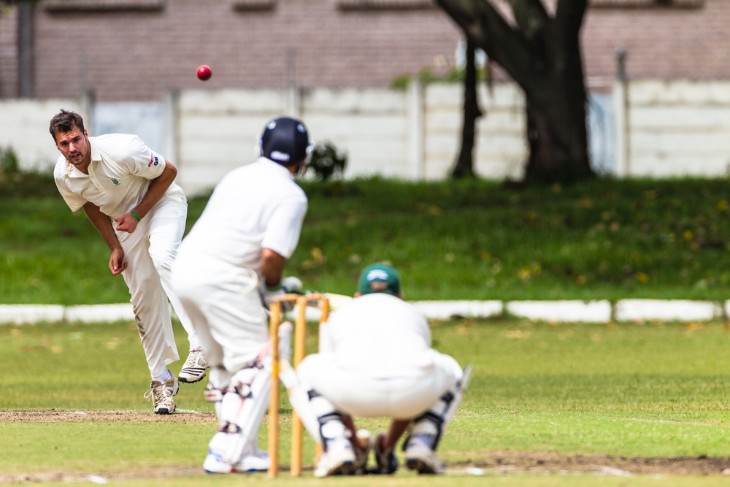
(65, 121)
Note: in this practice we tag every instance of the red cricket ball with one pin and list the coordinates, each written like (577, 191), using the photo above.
(204, 72)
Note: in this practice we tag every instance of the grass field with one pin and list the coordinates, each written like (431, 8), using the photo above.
(568, 404)
(452, 240)
(640, 404)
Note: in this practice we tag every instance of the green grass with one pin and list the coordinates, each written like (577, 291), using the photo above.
(652, 390)
(624, 390)
(602, 239)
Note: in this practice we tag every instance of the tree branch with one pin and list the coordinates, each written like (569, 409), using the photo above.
(531, 17)
(487, 29)
(569, 15)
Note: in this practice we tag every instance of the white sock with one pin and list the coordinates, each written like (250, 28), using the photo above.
(166, 376)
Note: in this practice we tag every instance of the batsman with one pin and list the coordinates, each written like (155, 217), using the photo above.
(234, 255)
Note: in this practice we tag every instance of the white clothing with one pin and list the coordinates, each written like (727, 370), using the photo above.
(378, 360)
(217, 271)
(120, 171)
(119, 174)
(253, 207)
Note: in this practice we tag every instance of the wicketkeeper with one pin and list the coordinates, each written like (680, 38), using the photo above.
(376, 360)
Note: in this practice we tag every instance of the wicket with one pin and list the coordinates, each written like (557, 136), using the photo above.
(300, 331)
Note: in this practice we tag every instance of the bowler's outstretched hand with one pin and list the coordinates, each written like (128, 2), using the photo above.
(117, 264)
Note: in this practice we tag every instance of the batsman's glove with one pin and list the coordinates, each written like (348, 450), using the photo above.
(288, 285)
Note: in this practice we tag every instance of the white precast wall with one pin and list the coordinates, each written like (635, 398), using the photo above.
(666, 129)
(678, 128)
(410, 135)
(500, 148)
(218, 131)
(371, 126)
(24, 128)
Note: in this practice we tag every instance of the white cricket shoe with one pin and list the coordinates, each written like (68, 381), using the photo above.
(215, 464)
(193, 370)
(254, 462)
(421, 458)
(338, 459)
(161, 393)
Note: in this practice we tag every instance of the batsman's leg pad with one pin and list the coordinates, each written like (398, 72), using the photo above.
(242, 410)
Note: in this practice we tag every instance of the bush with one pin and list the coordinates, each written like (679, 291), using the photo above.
(327, 162)
(16, 182)
(9, 164)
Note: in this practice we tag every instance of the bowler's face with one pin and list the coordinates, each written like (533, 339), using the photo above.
(74, 145)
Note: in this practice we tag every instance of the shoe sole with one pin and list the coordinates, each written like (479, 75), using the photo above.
(185, 380)
(164, 411)
(192, 375)
(346, 468)
(420, 466)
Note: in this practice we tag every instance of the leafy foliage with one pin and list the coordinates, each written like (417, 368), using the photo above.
(327, 161)
(603, 239)
(15, 182)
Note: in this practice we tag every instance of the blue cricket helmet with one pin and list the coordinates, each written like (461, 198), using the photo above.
(285, 140)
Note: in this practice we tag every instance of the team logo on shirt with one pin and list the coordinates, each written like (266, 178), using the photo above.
(153, 161)
(115, 181)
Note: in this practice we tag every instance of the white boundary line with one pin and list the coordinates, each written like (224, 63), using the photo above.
(599, 311)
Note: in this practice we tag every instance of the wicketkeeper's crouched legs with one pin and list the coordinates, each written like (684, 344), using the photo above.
(428, 428)
(429, 399)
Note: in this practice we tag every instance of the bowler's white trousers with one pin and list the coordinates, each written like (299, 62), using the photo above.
(404, 394)
(150, 252)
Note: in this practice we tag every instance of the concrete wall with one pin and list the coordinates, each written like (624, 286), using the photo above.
(678, 128)
(664, 129)
(24, 128)
(412, 134)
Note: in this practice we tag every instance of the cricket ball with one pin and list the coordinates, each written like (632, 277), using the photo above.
(204, 72)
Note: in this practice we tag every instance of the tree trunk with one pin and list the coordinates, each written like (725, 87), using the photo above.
(556, 121)
(542, 54)
(464, 166)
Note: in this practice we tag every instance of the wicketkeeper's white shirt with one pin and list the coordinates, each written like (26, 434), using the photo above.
(119, 174)
(380, 335)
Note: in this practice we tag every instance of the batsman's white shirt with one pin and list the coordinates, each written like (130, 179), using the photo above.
(377, 360)
(217, 272)
(255, 206)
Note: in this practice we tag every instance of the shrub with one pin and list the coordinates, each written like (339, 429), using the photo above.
(327, 162)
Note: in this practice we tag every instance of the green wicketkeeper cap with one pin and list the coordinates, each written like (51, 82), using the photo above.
(379, 278)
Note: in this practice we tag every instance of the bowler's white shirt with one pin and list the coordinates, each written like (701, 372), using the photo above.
(255, 206)
(120, 171)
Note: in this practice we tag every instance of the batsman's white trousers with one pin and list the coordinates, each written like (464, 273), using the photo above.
(405, 394)
(150, 252)
(224, 303)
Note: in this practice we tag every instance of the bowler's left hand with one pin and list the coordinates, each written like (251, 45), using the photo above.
(126, 223)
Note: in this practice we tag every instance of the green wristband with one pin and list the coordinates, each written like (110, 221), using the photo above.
(136, 217)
